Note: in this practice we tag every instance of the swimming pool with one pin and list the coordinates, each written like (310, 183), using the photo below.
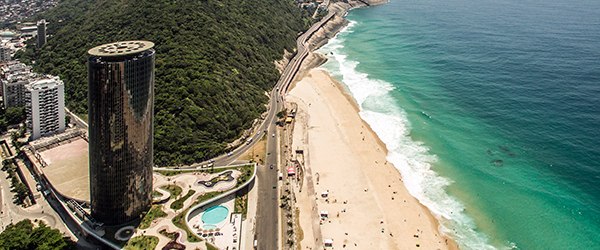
(215, 215)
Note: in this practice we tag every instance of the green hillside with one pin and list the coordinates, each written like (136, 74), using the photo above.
(214, 61)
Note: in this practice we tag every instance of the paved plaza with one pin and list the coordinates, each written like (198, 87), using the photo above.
(67, 168)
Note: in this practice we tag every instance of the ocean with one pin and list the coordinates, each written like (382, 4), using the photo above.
(489, 109)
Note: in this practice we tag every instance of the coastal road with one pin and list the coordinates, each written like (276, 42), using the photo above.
(267, 218)
(267, 221)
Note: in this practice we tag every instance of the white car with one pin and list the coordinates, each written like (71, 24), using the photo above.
(230, 153)
(273, 135)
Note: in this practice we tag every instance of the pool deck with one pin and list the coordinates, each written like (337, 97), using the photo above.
(229, 228)
(189, 181)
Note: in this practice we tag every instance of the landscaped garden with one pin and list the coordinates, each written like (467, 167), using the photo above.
(241, 205)
(142, 243)
(224, 176)
(155, 212)
(178, 204)
(173, 189)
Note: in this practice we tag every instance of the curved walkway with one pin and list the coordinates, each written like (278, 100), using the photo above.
(187, 182)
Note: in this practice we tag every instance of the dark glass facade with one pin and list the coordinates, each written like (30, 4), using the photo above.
(121, 114)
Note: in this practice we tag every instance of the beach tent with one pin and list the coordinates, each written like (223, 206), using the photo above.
(291, 171)
(324, 194)
(324, 213)
(328, 242)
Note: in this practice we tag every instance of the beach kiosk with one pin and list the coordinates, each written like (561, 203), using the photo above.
(291, 171)
(328, 242)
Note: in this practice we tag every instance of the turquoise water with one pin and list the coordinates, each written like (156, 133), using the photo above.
(489, 109)
(215, 215)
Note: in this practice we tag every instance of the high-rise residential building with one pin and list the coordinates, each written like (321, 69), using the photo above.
(45, 107)
(15, 76)
(120, 115)
(41, 33)
(5, 53)
(13, 92)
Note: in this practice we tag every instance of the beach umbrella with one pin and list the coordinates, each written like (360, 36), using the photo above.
(218, 229)
(211, 230)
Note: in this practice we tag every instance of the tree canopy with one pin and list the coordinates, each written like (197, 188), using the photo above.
(214, 62)
(23, 235)
(10, 116)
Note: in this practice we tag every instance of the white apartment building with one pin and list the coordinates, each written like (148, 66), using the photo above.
(15, 76)
(45, 107)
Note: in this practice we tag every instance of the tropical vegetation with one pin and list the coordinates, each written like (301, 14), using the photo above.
(214, 62)
(26, 235)
(154, 213)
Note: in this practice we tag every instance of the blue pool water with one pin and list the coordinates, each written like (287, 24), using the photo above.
(215, 215)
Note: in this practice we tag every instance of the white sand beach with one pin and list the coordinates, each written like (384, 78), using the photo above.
(351, 165)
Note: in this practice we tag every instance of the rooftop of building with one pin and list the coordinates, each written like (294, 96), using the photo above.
(45, 83)
(7, 34)
(121, 48)
(67, 166)
(29, 28)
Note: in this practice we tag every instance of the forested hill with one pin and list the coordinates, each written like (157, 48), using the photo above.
(214, 61)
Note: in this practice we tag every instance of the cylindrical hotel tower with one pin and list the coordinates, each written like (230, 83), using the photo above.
(121, 114)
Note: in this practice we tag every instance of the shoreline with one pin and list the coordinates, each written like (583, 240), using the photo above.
(307, 69)
(336, 140)
(451, 243)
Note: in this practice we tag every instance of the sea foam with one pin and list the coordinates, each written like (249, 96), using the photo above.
(412, 158)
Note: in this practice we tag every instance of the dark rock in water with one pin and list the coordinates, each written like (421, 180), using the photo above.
(504, 148)
(497, 163)
(489, 152)
(512, 155)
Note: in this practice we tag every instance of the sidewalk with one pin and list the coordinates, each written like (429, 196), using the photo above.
(249, 224)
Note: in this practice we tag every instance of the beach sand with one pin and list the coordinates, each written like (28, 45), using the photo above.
(350, 162)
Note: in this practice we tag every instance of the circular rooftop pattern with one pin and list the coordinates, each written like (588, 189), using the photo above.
(121, 48)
